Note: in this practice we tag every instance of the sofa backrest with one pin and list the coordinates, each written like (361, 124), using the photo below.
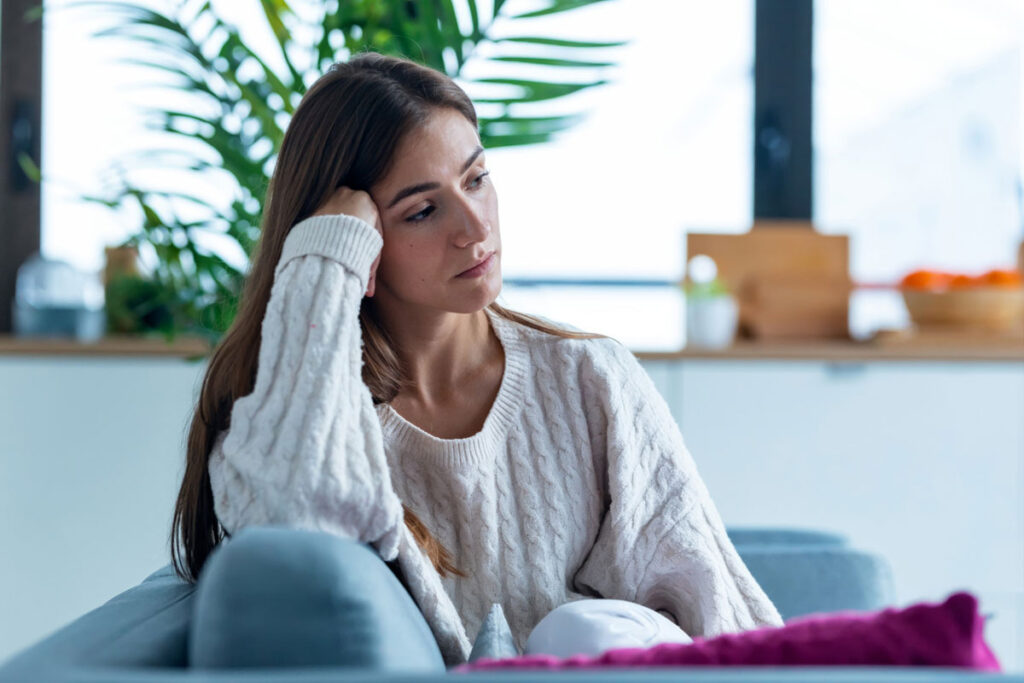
(148, 625)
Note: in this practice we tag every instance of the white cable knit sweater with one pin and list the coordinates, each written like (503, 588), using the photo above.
(578, 485)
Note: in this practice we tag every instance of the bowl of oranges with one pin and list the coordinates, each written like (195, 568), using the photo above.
(993, 300)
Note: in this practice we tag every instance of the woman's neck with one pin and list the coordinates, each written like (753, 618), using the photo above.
(443, 352)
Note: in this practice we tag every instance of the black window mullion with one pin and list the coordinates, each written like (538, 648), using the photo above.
(782, 109)
(21, 94)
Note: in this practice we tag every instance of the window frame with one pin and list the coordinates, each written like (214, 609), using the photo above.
(783, 115)
(782, 119)
(21, 93)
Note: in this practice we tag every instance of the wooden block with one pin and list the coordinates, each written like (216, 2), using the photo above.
(782, 251)
(800, 291)
(790, 281)
(780, 324)
(796, 307)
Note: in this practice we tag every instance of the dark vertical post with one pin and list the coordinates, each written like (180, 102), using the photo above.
(21, 96)
(782, 109)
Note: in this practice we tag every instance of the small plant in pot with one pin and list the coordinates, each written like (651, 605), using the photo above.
(712, 313)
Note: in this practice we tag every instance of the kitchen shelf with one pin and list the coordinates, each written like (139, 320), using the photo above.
(840, 351)
(995, 350)
(182, 347)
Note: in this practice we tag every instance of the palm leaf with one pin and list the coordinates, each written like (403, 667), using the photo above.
(552, 61)
(534, 91)
(246, 103)
(557, 42)
(557, 6)
(275, 11)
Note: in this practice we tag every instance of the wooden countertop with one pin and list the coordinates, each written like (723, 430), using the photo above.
(904, 349)
(840, 351)
(182, 347)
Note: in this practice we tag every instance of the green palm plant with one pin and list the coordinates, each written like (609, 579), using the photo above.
(242, 106)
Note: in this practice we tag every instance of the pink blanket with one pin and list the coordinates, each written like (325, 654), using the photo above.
(926, 634)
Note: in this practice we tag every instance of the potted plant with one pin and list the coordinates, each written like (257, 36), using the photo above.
(242, 107)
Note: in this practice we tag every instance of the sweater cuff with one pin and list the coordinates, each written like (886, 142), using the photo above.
(350, 241)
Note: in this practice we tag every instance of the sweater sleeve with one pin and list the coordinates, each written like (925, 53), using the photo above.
(304, 449)
(661, 542)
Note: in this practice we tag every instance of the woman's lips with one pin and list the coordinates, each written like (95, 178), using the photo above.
(478, 270)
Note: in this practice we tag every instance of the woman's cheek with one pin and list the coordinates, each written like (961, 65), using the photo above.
(407, 260)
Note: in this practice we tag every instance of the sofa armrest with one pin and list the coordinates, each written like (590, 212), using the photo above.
(145, 626)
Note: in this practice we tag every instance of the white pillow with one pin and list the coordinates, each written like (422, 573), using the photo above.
(591, 627)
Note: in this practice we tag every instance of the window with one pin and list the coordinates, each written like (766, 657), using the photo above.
(918, 154)
(665, 147)
(917, 138)
(90, 118)
(93, 118)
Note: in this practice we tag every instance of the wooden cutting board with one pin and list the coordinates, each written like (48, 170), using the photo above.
(791, 281)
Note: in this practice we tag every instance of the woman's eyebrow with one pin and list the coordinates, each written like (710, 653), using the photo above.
(423, 187)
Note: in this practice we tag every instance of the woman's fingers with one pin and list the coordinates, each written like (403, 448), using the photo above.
(348, 202)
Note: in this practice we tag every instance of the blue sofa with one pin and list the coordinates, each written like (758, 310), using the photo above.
(296, 617)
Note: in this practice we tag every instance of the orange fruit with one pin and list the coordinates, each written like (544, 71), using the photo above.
(1002, 278)
(961, 281)
(926, 279)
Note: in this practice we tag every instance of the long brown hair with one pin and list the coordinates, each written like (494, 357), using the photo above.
(344, 132)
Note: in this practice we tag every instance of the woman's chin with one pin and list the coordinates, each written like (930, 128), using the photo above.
(459, 299)
(478, 298)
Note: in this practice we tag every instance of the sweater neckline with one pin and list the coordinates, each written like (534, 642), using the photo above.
(466, 450)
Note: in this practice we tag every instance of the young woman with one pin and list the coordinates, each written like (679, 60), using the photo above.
(371, 387)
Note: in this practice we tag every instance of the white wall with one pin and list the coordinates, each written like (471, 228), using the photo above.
(90, 461)
(923, 463)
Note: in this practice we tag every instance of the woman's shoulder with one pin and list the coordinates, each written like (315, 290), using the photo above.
(566, 344)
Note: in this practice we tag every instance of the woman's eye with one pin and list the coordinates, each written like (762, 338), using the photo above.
(479, 180)
(425, 213)
(421, 215)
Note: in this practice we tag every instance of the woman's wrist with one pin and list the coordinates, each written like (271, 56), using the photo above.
(348, 240)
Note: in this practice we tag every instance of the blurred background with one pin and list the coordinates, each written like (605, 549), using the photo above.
(853, 359)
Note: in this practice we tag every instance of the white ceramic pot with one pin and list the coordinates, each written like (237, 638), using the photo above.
(711, 321)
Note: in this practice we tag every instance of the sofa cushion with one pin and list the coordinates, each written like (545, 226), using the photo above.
(494, 639)
(280, 597)
(948, 634)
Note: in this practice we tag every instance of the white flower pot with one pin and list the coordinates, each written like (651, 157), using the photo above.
(711, 321)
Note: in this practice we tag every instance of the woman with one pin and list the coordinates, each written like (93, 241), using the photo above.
(371, 387)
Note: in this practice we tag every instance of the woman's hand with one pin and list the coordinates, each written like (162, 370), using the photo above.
(360, 204)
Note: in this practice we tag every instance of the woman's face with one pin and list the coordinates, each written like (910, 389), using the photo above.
(439, 212)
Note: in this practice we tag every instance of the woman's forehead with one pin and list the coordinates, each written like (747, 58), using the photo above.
(440, 145)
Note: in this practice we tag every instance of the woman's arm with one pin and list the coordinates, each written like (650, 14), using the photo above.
(661, 543)
(304, 449)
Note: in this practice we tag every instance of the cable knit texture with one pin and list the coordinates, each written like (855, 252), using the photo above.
(578, 485)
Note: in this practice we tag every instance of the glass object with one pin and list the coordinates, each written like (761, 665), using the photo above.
(54, 299)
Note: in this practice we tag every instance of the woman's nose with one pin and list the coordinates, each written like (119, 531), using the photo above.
(475, 226)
